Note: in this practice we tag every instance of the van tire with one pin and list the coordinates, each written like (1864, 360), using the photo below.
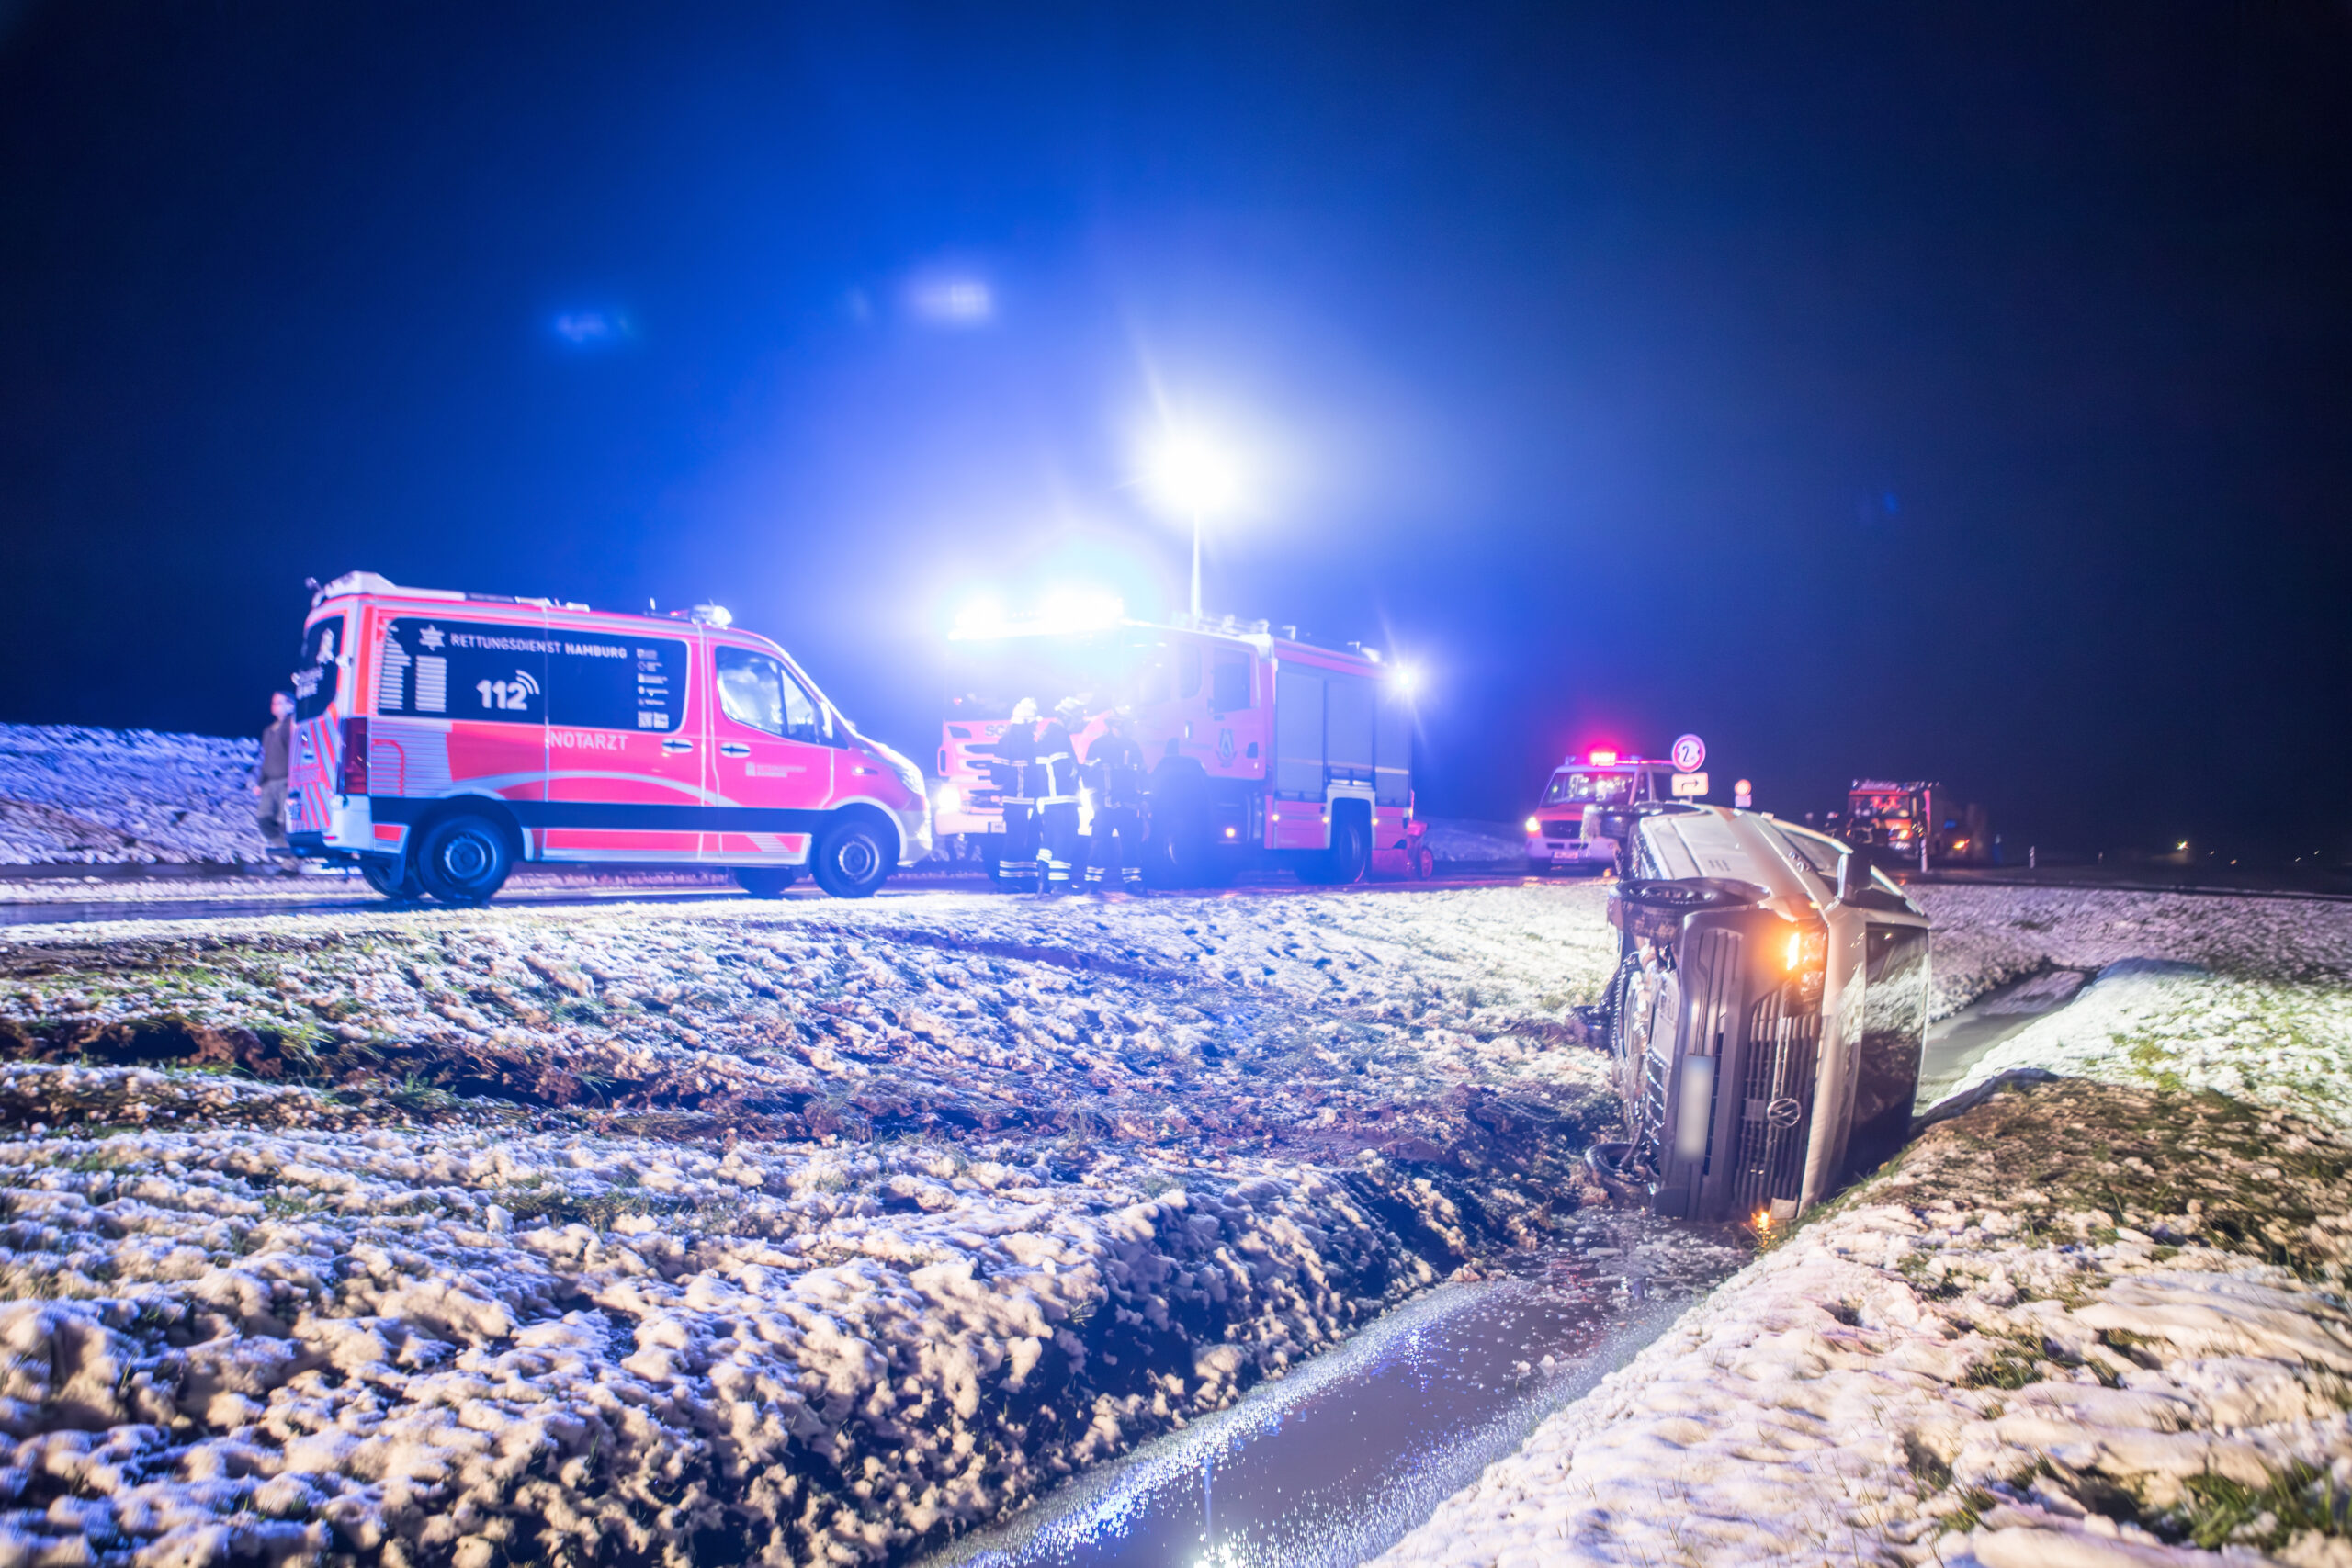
(852, 858)
(765, 881)
(393, 876)
(464, 859)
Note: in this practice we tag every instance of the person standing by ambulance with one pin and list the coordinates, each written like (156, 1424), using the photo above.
(1057, 792)
(269, 778)
(1117, 765)
(1016, 762)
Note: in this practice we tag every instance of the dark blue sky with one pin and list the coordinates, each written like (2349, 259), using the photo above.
(1959, 391)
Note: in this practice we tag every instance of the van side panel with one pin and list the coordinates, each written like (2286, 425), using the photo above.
(627, 743)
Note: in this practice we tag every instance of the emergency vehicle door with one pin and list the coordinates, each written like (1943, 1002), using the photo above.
(771, 761)
(626, 755)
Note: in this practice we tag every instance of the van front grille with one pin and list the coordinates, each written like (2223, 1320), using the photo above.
(1564, 829)
(1775, 1107)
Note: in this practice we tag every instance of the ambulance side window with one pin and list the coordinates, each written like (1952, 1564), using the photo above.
(755, 690)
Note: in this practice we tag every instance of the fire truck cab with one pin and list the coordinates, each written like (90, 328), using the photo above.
(442, 737)
(1263, 750)
(1890, 820)
(1580, 824)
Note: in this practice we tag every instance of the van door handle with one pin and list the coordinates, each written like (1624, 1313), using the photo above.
(734, 749)
(676, 746)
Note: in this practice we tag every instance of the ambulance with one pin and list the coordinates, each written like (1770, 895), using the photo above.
(441, 739)
(1585, 806)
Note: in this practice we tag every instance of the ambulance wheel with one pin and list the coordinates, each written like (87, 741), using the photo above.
(765, 881)
(391, 875)
(852, 858)
(464, 859)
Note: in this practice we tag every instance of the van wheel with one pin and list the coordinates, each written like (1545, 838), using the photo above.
(765, 881)
(464, 859)
(852, 859)
(391, 875)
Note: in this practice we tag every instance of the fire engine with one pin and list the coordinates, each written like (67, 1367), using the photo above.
(1264, 750)
(1891, 820)
(441, 737)
(1580, 822)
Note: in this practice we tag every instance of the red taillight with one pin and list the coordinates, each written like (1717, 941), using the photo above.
(353, 779)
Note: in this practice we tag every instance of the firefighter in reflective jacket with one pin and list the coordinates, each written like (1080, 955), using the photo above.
(1055, 775)
(1116, 764)
(1017, 761)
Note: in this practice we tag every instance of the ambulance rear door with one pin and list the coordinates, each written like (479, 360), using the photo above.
(628, 751)
(774, 753)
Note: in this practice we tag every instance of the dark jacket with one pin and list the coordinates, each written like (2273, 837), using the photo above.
(1053, 777)
(276, 742)
(1117, 764)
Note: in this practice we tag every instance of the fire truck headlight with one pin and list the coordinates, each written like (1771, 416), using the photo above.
(950, 798)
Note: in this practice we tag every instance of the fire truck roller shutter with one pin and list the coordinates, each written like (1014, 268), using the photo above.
(1298, 733)
(1392, 753)
(1348, 702)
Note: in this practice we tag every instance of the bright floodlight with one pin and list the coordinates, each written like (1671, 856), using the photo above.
(1193, 478)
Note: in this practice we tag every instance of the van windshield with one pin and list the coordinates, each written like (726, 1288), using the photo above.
(1575, 787)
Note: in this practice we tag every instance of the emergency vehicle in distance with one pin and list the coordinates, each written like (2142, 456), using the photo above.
(440, 738)
(1262, 750)
(1893, 820)
(1580, 822)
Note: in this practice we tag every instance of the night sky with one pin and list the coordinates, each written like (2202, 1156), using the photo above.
(1947, 391)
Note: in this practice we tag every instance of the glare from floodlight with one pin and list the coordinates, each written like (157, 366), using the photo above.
(1192, 476)
(1408, 679)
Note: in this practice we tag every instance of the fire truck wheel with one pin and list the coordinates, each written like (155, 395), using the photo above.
(852, 858)
(765, 882)
(1344, 862)
(392, 876)
(464, 859)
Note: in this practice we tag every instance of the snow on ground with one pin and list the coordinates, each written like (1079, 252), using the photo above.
(2096, 1323)
(74, 794)
(2140, 1349)
(1988, 935)
(1463, 840)
(812, 1231)
(787, 1231)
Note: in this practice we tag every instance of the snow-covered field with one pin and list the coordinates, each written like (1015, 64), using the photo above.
(803, 1231)
(816, 1231)
(70, 795)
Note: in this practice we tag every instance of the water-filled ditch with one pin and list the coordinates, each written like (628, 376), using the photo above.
(1335, 1461)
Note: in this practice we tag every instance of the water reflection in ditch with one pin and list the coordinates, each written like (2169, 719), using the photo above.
(1338, 1460)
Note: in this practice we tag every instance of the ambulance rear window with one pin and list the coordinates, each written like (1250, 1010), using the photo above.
(315, 672)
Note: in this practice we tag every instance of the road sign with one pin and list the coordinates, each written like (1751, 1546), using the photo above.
(1690, 754)
(1690, 783)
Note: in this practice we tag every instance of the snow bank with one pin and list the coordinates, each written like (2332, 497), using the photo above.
(1986, 936)
(2078, 1326)
(757, 1232)
(1459, 839)
(96, 796)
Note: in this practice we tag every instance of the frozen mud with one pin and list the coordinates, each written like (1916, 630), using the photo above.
(797, 1233)
(70, 795)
